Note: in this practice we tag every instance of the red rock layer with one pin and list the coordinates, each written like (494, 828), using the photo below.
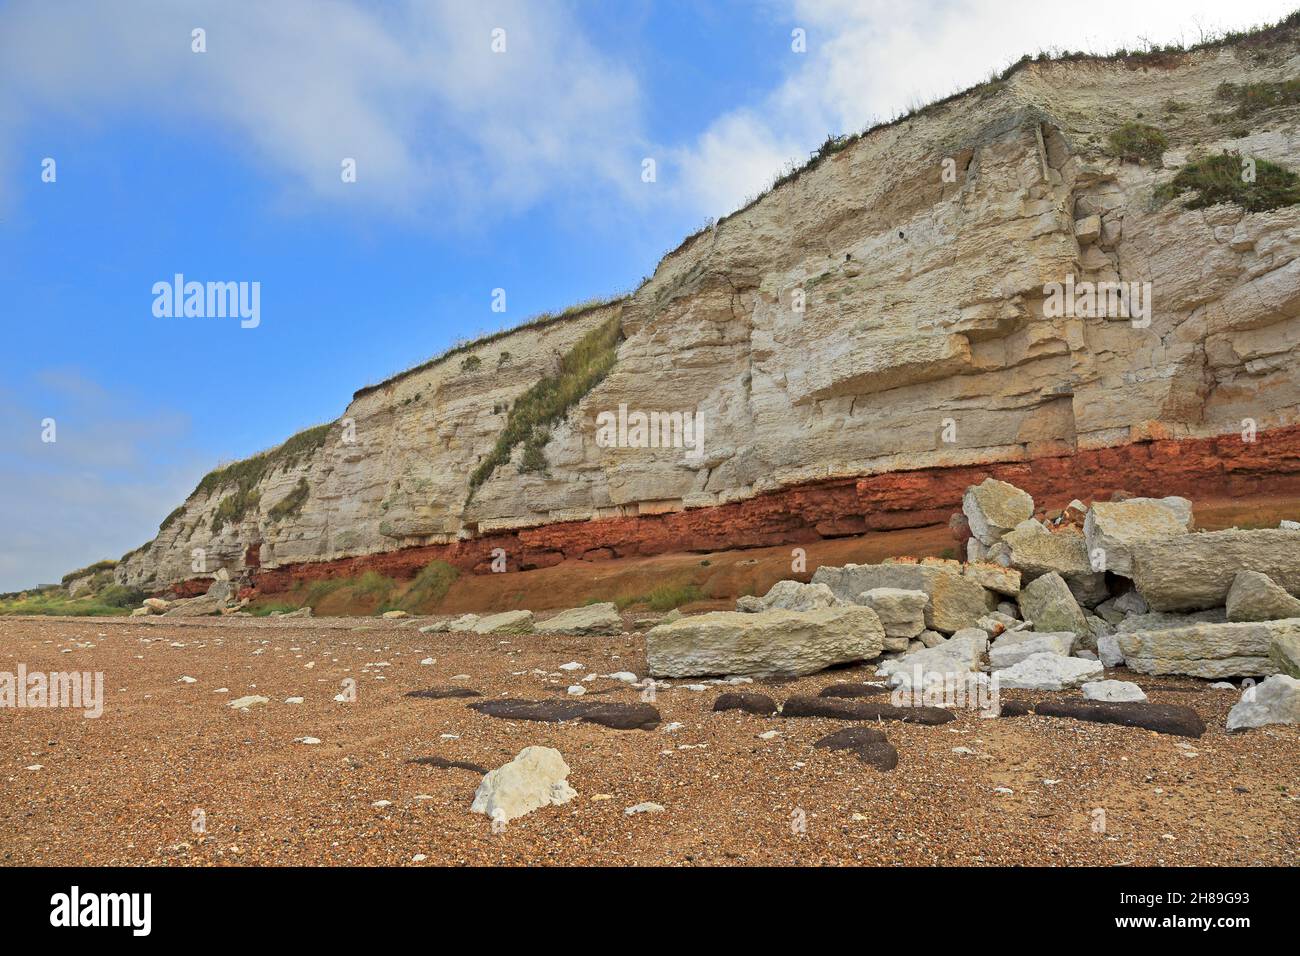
(1222, 466)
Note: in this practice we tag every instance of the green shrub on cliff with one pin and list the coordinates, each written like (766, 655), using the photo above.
(233, 507)
(1223, 179)
(581, 369)
(1138, 142)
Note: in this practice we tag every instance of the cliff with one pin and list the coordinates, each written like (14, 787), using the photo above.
(898, 311)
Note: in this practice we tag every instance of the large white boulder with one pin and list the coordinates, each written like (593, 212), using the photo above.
(1048, 672)
(1012, 647)
(994, 507)
(537, 777)
(1275, 701)
(796, 596)
(1113, 690)
(765, 644)
(962, 653)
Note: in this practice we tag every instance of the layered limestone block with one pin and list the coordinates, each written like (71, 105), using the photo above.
(870, 316)
(763, 644)
(1212, 651)
(1196, 571)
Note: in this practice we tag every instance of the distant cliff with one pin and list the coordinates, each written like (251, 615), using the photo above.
(1068, 263)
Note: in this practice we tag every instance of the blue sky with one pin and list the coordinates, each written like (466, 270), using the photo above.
(475, 170)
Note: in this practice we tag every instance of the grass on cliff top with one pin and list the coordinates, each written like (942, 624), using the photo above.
(247, 473)
(1218, 179)
(171, 518)
(536, 322)
(242, 477)
(107, 564)
(580, 370)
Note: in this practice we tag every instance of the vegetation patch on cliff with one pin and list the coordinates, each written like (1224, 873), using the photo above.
(580, 370)
(536, 322)
(247, 473)
(172, 518)
(1247, 99)
(105, 565)
(233, 507)
(1223, 179)
(1138, 142)
(291, 504)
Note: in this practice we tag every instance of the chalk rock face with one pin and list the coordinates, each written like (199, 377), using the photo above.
(1212, 651)
(1274, 701)
(895, 334)
(507, 622)
(993, 508)
(1254, 597)
(955, 601)
(1112, 526)
(592, 619)
(1049, 672)
(765, 644)
(1049, 603)
(901, 612)
(1013, 647)
(1195, 571)
(536, 778)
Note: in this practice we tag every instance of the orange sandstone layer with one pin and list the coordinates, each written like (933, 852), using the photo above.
(1220, 467)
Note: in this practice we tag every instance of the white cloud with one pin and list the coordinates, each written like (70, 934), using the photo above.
(869, 60)
(412, 91)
